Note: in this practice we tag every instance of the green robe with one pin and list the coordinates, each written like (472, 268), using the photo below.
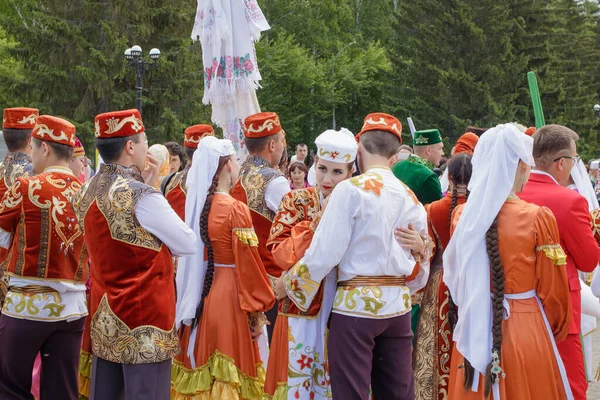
(417, 173)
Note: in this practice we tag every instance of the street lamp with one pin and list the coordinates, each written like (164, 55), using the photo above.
(597, 110)
(333, 78)
(134, 59)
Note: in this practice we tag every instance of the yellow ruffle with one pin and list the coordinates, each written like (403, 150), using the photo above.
(85, 374)
(281, 393)
(555, 253)
(219, 378)
(247, 236)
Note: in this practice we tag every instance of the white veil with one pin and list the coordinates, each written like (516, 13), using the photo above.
(191, 269)
(466, 263)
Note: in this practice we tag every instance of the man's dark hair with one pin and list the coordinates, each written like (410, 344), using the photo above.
(301, 145)
(110, 149)
(189, 153)
(256, 145)
(380, 143)
(175, 149)
(60, 151)
(16, 139)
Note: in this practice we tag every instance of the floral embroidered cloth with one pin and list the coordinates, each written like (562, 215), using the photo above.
(227, 30)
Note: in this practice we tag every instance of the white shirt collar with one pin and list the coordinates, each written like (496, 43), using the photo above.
(536, 171)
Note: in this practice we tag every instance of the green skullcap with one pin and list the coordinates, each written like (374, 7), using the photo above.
(427, 138)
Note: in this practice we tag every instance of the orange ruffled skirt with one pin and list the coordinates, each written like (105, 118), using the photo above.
(277, 373)
(228, 365)
(527, 359)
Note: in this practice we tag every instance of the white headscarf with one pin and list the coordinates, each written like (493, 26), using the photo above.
(584, 185)
(466, 263)
(191, 269)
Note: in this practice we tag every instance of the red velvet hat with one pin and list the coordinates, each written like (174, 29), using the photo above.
(79, 150)
(195, 133)
(382, 122)
(261, 125)
(118, 124)
(530, 131)
(20, 118)
(54, 129)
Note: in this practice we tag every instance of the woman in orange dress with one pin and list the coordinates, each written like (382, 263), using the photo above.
(506, 337)
(221, 298)
(298, 361)
(433, 341)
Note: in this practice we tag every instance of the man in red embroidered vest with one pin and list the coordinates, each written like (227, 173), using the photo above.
(131, 233)
(17, 125)
(45, 306)
(261, 186)
(176, 189)
(555, 154)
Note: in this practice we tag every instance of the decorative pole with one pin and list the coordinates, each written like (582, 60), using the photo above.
(134, 59)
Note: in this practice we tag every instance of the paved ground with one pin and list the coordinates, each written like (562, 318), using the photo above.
(594, 388)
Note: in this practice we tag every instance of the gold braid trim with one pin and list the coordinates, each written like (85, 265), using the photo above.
(247, 236)
(554, 252)
(219, 378)
(85, 374)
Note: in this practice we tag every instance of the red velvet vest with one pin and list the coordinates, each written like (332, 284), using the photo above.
(255, 175)
(133, 298)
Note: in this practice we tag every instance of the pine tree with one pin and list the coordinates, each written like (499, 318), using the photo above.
(74, 64)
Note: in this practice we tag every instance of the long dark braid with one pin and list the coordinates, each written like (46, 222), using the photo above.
(459, 173)
(210, 270)
(497, 277)
(497, 274)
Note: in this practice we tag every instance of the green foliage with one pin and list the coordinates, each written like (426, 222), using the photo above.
(446, 63)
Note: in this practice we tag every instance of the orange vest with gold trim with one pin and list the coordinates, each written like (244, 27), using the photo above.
(48, 243)
(255, 175)
(133, 298)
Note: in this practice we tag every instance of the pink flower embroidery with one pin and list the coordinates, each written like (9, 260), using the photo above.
(248, 65)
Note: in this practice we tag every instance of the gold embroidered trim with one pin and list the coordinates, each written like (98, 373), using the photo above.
(334, 155)
(554, 252)
(112, 340)
(246, 236)
(369, 182)
(116, 194)
(299, 284)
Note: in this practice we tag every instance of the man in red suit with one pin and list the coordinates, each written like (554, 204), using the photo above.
(555, 153)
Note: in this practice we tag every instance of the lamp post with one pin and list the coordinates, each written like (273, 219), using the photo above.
(333, 77)
(134, 58)
(597, 110)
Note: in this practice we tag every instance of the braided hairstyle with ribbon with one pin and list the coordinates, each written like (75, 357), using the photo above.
(460, 170)
(493, 370)
(208, 278)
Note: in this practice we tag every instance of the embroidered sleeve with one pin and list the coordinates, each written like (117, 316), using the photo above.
(327, 248)
(255, 290)
(10, 208)
(291, 232)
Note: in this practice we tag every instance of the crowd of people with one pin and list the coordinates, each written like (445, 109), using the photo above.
(372, 269)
